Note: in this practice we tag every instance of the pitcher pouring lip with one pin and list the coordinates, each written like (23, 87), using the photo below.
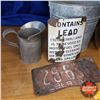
(24, 34)
(36, 25)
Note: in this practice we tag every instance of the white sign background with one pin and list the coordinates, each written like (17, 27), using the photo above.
(71, 44)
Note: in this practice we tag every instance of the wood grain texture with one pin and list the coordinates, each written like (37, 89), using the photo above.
(16, 76)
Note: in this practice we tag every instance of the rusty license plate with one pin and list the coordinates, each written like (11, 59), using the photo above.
(57, 76)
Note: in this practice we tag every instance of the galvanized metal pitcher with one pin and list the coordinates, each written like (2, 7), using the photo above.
(29, 37)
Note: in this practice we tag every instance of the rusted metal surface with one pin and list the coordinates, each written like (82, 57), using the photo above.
(57, 76)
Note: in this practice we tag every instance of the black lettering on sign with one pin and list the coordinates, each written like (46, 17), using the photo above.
(65, 32)
(64, 24)
(72, 32)
(75, 31)
(58, 24)
(59, 35)
(69, 24)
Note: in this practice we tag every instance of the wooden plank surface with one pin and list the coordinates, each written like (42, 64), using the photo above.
(16, 76)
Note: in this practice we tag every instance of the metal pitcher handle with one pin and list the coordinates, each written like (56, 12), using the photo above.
(6, 32)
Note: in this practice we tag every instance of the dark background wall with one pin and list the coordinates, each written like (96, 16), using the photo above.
(16, 13)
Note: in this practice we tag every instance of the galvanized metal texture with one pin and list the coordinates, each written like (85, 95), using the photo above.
(57, 76)
(72, 9)
(29, 37)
